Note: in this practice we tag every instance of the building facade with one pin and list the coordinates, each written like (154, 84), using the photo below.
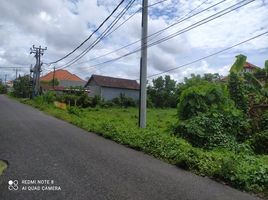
(109, 88)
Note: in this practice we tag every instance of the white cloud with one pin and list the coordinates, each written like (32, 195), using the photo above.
(63, 25)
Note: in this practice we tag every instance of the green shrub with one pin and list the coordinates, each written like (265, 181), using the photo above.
(124, 101)
(3, 89)
(49, 97)
(260, 142)
(213, 129)
(202, 98)
(264, 121)
(237, 91)
(96, 101)
(84, 100)
(74, 110)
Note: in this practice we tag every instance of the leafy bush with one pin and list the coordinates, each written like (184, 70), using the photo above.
(260, 142)
(237, 92)
(264, 121)
(96, 101)
(202, 98)
(74, 110)
(3, 89)
(49, 97)
(84, 100)
(213, 129)
(124, 101)
(22, 86)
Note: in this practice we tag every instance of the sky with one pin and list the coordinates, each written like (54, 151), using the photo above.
(63, 24)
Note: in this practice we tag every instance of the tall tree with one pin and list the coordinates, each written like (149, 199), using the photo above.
(22, 86)
(162, 92)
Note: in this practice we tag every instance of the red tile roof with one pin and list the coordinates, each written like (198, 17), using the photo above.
(249, 65)
(61, 75)
(107, 81)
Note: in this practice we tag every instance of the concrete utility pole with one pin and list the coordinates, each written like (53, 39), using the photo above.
(143, 65)
(5, 79)
(54, 69)
(16, 73)
(38, 51)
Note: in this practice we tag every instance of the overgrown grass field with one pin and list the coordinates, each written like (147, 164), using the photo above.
(239, 168)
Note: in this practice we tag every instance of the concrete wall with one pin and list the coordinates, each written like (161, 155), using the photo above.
(111, 93)
(108, 93)
(94, 89)
(71, 83)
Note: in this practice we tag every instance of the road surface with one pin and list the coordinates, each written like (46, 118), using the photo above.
(81, 165)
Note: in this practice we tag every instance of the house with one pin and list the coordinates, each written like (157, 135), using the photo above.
(65, 79)
(250, 68)
(109, 88)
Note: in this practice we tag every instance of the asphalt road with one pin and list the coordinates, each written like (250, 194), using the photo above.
(87, 166)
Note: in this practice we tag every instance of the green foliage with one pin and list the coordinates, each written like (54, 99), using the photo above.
(49, 97)
(74, 110)
(22, 87)
(3, 89)
(202, 98)
(84, 100)
(260, 142)
(237, 92)
(266, 67)
(3, 167)
(162, 92)
(238, 66)
(96, 101)
(264, 121)
(214, 129)
(124, 101)
(252, 81)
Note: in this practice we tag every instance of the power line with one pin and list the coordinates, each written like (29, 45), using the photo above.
(133, 16)
(208, 56)
(103, 35)
(121, 2)
(195, 25)
(181, 19)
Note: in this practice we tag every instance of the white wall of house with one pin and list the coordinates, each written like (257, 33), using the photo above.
(108, 93)
(94, 89)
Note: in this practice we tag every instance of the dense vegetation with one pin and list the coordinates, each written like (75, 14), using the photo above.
(3, 88)
(22, 86)
(219, 129)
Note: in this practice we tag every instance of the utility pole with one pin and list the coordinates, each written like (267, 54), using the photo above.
(5, 79)
(16, 73)
(143, 66)
(38, 51)
(54, 69)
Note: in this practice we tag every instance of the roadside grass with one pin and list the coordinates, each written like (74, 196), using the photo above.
(3, 166)
(241, 169)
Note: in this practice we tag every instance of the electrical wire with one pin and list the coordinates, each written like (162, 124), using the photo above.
(116, 8)
(208, 56)
(195, 25)
(103, 34)
(182, 19)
